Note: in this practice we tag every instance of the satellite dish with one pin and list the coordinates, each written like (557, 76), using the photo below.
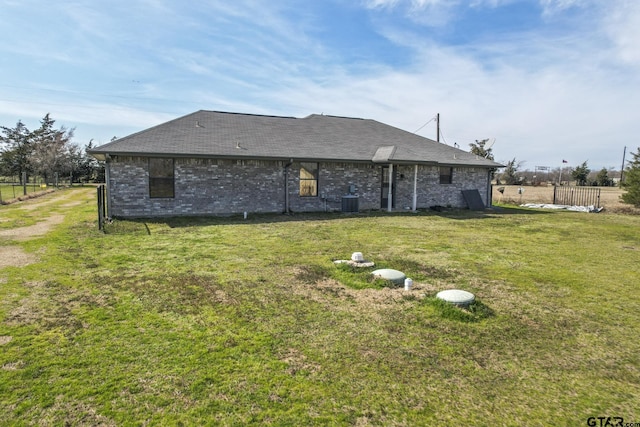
(490, 143)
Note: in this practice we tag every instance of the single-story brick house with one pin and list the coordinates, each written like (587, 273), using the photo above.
(217, 163)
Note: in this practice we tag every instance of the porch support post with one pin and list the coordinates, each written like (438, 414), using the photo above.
(415, 189)
(390, 194)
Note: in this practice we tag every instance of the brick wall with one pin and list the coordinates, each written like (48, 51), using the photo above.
(334, 181)
(221, 187)
(431, 193)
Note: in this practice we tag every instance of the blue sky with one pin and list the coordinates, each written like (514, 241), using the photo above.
(548, 79)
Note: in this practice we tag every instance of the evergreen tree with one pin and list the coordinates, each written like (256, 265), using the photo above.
(479, 149)
(581, 173)
(602, 179)
(510, 174)
(15, 150)
(632, 181)
(88, 169)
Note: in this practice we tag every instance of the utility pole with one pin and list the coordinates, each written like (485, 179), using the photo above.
(624, 153)
(438, 127)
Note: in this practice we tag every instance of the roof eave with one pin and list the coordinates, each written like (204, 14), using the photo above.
(104, 156)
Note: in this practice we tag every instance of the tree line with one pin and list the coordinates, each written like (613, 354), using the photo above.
(46, 152)
(581, 174)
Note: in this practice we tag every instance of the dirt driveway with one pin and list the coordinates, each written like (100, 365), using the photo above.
(15, 256)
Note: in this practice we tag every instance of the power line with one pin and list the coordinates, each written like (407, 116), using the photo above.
(432, 119)
(443, 138)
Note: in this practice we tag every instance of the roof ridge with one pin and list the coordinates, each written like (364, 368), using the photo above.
(245, 114)
(333, 116)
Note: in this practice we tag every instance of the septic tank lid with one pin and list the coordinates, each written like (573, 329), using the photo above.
(456, 296)
(390, 274)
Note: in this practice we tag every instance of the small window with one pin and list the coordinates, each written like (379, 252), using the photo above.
(308, 179)
(161, 178)
(446, 175)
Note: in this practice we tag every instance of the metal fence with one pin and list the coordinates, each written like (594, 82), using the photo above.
(576, 196)
(102, 206)
(13, 190)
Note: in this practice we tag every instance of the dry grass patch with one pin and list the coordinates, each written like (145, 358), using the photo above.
(15, 256)
(68, 412)
(39, 229)
(297, 361)
(13, 366)
(42, 199)
(50, 307)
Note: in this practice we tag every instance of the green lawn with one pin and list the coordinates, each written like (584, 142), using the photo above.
(10, 191)
(235, 322)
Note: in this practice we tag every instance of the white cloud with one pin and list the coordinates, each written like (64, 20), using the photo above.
(544, 95)
(80, 115)
(431, 13)
(541, 98)
(554, 6)
(413, 4)
(623, 26)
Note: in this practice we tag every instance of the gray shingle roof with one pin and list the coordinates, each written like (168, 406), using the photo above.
(316, 137)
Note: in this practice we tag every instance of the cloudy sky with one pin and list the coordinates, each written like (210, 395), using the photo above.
(548, 79)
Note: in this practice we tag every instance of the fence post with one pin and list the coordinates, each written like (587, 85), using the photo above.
(100, 207)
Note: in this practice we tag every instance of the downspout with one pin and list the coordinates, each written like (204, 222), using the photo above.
(107, 181)
(390, 194)
(415, 189)
(286, 186)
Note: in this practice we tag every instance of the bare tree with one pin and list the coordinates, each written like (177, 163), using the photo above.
(52, 150)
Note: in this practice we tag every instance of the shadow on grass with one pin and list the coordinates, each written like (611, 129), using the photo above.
(136, 227)
(139, 225)
(361, 277)
(475, 312)
(350, 277)
(492, 212)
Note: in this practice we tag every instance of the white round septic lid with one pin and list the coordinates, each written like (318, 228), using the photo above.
(395, 276)
(456, 296)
